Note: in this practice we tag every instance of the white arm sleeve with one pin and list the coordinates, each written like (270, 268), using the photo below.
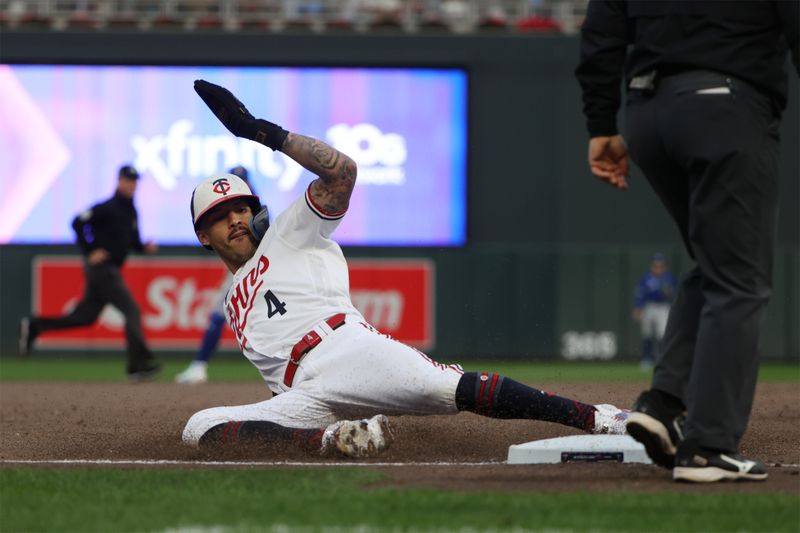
(305, 224)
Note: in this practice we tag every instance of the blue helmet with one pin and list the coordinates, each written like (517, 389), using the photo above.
(241, 172)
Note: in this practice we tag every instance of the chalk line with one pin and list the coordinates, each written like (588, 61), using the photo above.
(170, 462)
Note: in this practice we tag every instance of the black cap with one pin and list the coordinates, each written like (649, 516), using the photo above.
(127, 171)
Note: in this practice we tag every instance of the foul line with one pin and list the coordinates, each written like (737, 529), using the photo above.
(168, 462)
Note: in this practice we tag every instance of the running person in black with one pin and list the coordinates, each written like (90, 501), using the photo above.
(706, 86)
(105, 233)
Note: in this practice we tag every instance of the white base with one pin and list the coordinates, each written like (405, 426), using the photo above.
(588, 448)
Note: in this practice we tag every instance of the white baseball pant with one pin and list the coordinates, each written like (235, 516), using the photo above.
(355, 372)
(654, 320)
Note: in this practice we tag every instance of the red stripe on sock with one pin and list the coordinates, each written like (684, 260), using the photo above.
(308, 437)
(231, 432)
(490, 399)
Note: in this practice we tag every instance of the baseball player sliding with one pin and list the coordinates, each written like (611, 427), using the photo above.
(334, 376)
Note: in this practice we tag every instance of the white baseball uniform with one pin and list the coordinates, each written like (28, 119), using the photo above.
(654, 320)
(297, 279)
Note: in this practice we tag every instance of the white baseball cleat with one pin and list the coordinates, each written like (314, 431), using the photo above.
(195, 373)
(610, 420)
(357, 439)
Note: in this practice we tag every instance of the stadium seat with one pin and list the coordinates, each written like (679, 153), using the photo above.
(538, 24)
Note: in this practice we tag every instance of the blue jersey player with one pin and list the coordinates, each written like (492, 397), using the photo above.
(653, 296)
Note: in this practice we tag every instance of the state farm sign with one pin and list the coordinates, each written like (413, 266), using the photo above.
(397, 297)
(176, 295)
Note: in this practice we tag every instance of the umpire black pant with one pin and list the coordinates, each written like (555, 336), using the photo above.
(104, 285)
(708, 145)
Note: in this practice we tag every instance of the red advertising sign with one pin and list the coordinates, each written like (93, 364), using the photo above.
(176, 295)
(397, 297)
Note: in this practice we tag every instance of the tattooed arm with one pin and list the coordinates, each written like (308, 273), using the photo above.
(336, 171)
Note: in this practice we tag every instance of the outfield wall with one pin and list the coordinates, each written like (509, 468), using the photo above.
(504, 302)
(550, 249)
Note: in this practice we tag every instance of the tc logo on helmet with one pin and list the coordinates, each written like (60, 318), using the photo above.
(221, 186)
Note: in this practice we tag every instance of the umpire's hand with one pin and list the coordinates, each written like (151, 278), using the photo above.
(608, 160)
(235, 116)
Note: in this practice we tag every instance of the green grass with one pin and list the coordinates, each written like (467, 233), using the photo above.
(236, 369)
(341, 499)
(110, 369)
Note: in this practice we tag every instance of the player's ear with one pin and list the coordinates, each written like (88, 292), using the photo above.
(202, 236)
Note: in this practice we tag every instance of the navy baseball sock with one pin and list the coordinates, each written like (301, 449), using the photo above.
(497, 396)
(257, 431)
(647, 350)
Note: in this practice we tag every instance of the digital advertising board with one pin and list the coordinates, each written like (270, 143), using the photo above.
(66, 129)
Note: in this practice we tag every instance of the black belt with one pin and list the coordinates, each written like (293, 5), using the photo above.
(649, 81)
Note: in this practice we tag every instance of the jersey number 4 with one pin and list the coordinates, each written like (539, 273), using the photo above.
(274, 306)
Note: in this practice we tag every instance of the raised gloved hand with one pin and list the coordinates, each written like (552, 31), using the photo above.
(235, 116)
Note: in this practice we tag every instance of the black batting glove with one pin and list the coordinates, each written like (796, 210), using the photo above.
(236, 118)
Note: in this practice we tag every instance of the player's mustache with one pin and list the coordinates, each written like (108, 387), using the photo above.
(239, 228)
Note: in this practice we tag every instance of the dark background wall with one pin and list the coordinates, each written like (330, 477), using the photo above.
(550, 249)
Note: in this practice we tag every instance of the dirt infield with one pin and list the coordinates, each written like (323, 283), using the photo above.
(119, 421)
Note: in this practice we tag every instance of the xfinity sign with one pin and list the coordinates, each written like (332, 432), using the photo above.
(380, 156)
(406, 129)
